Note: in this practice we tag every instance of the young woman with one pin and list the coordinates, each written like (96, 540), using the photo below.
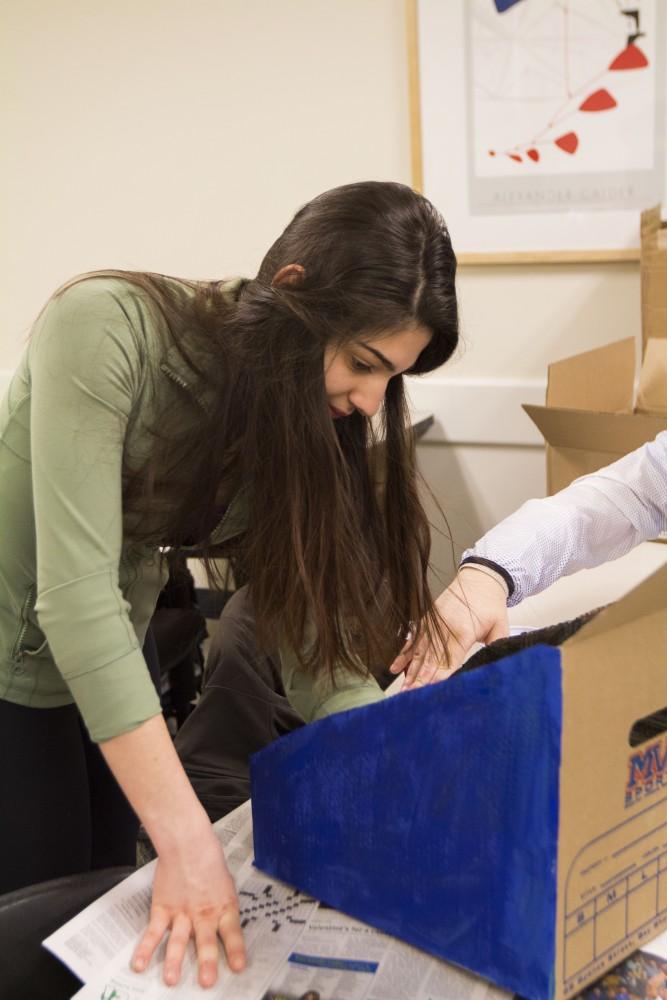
(150, 412)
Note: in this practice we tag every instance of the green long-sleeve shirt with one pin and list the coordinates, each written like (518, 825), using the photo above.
(75, 596)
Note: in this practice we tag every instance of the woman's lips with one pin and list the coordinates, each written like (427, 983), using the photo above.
(337, 414)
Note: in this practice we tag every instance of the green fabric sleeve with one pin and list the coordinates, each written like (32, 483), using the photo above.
(86, 363)
(315, 698)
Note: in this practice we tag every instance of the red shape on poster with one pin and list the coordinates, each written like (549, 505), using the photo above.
(533, 154)
(568, 142)
(631, 57)
(515, 156)
(599, 100)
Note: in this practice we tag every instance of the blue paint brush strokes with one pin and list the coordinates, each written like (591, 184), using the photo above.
(432, 816)
(503, 5)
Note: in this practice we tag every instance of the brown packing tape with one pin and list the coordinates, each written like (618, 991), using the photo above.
(652, 395)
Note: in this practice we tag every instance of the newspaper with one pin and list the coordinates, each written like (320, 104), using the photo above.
(338, 958)
(96, 935)
(297, 949)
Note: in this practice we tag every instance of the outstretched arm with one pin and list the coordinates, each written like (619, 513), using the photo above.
(193, 892)
(597, 518)
(473, 609)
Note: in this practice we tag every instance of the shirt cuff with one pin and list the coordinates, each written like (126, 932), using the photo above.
(116, 698)
(505, 576)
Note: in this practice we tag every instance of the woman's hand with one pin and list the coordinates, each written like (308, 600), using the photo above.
(193, 892)
(473, 609)
(193, 896)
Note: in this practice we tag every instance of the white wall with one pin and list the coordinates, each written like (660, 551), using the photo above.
(181, 137)
(515, 321)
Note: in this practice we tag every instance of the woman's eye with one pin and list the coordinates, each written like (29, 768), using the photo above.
(360, 366)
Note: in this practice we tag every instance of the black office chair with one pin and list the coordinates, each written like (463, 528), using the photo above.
(179, 629)
(27, 916)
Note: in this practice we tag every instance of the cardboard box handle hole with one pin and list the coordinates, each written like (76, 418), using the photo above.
(648, 728)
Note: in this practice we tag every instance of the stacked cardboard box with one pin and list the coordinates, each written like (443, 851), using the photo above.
(654, 275)
(591, 416)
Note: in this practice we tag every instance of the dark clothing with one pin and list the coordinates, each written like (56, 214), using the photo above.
(243, 707)
(62, 810)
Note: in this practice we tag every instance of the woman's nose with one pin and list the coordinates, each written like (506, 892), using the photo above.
(367, 400)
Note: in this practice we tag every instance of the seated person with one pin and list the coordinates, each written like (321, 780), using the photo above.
(243, 707)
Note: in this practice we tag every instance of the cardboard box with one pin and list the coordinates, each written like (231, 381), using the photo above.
(591, 417)
(500, 820)
(653, 275)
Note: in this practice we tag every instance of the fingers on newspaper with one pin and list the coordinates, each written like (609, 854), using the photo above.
(297, 949)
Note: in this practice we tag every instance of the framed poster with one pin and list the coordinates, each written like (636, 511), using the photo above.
(539, 125)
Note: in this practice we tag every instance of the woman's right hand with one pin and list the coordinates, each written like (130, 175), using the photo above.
(193, 892)
(473, 609)
(193, 896)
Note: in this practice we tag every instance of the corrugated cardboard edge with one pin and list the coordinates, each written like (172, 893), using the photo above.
(613, 673)
(652, 393)
(645, 600)
(586, 430)
(580, 440)
(653, 266)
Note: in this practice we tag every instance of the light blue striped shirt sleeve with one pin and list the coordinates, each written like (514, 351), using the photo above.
(597, 518)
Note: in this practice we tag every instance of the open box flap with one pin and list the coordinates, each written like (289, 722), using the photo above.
(602, 379)
(584, 430)
(647, 599)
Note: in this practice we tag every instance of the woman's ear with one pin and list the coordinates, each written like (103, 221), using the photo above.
(290, 274)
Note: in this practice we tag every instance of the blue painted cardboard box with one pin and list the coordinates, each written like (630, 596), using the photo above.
(501, 820)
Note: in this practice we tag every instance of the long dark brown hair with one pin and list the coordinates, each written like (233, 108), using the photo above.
(337, 543)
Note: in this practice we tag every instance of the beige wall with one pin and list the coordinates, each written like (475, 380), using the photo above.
(515, 320)
(182, 136)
